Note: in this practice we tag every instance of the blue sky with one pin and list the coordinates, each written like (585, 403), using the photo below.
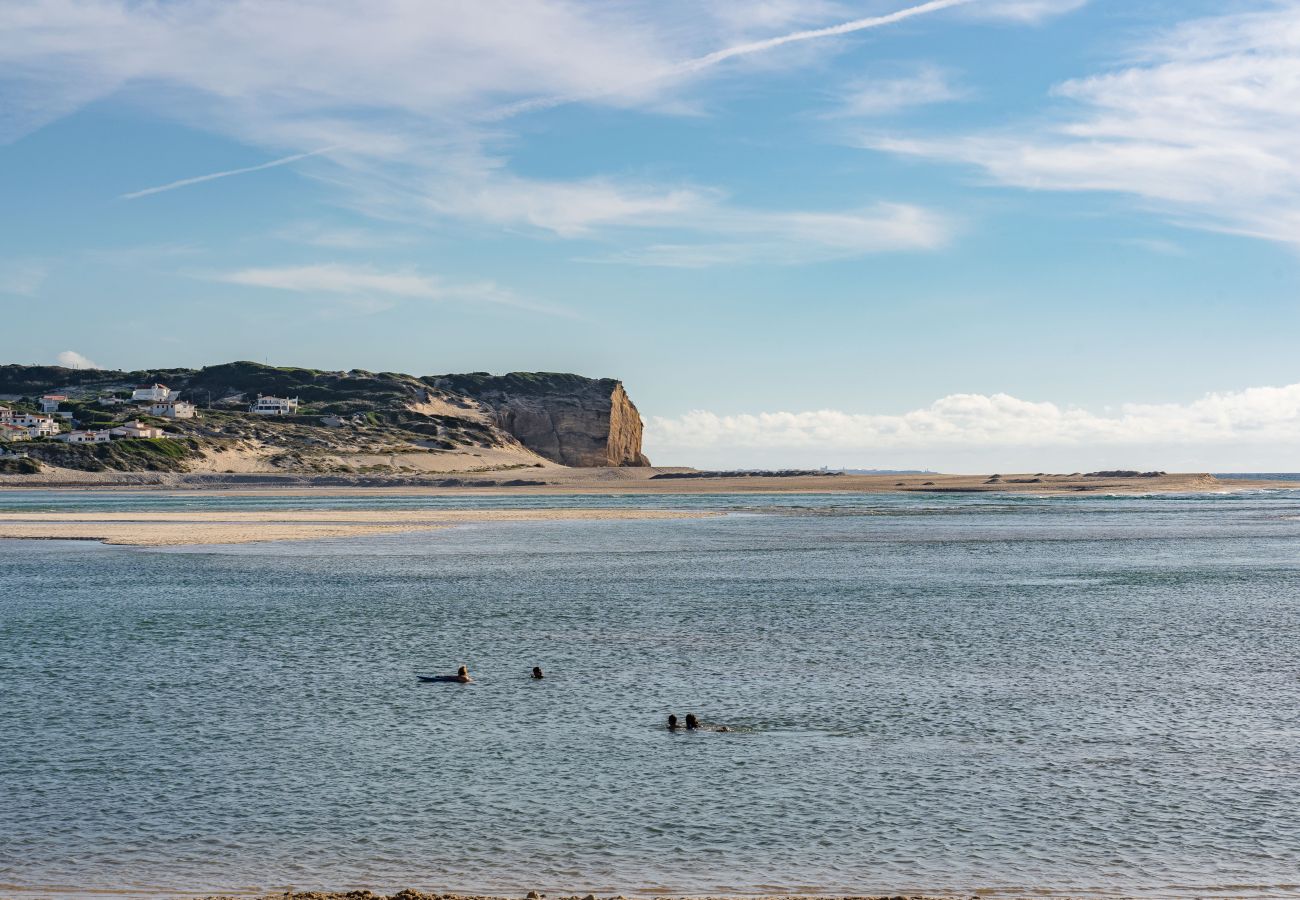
(1037, 233)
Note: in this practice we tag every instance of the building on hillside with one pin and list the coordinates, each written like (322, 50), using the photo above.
(110, 400)
(86, 437)
(37, 426)
(6, 414)
(50, 402)
(154, 393)
(173, 409)
(10, 432)
(136, 429)
(274, 406)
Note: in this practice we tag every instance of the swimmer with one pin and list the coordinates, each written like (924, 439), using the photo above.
(692, 723)
(672, 723)
(537, 672)
(462, 675)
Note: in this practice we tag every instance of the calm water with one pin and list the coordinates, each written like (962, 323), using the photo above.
(946, 693)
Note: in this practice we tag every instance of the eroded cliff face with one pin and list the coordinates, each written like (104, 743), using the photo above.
(569, 419)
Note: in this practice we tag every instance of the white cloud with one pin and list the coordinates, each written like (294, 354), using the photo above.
(787, 238)
(1156, 245)
(74, 360)
(319, 234)
(564, 208)
(22, 277)
(601, 208)
(1025, 11)
(409, 96)
(740, 20)
(1202, 126)
(882, 96)
(365, 287)
(965, 424)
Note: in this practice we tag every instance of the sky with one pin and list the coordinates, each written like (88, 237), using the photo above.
(966, 235)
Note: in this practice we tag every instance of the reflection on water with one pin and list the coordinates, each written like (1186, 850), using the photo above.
(945, 693)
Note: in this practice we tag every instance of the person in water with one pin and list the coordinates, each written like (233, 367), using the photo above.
(462, 675)
(692, 723)
(537, 672)
(672, 724)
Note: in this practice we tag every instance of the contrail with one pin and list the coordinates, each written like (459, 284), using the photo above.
(285, 160)
(712, 59)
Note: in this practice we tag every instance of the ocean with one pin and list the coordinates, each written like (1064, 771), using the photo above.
(950, 693)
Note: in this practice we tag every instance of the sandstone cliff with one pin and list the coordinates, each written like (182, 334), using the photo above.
(569, 419)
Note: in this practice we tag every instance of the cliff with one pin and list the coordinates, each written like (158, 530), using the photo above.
(349, 421)
(572, 420)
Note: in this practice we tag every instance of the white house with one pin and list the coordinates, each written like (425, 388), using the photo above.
(110, 400)
(86, 437)
(6, 415)
(274, 406)
(10, 432)
(50, 402)
(136, 429)
(37, 426)
(155, 393)
(173, 409)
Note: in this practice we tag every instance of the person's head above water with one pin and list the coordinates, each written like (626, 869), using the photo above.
(462, 674)
(672, 723)
(691, 721)
(537, 672)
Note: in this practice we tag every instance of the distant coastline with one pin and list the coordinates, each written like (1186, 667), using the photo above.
(554, 479)
(1258, 476)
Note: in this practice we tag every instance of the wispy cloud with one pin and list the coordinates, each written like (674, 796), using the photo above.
(881, 96)
(316, 234)
(365, 282)
(74, 360)
(1025, 11)
(22, 277)
(300, 75)
(731, 237)
(1202, 126)
(675, 72)
(213, 176)
(1156, 245)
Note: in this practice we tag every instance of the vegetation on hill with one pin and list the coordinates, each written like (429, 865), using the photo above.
(131, 455)
(342, 415)
(21, 465)
(477, 384)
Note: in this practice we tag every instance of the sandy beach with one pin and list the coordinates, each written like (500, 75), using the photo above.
(168, 528)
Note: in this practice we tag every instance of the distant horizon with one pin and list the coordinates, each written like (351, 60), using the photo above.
(968, 433)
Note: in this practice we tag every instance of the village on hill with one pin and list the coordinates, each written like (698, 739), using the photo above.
(93, 419)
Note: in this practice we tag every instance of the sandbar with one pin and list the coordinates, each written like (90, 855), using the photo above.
(176, 528)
